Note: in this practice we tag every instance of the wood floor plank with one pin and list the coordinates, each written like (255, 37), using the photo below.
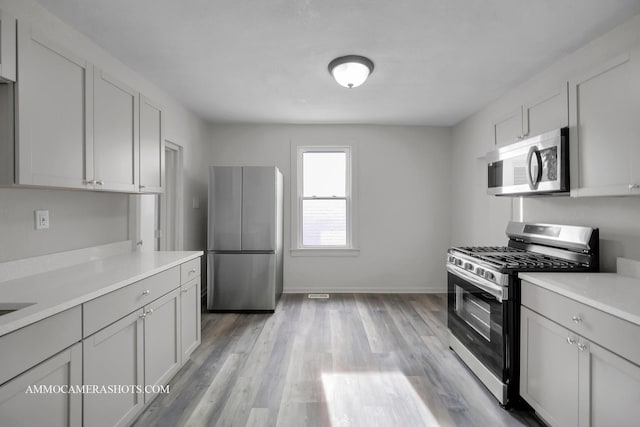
(351, 360)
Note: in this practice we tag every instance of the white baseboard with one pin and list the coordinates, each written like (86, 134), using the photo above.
(362, 290)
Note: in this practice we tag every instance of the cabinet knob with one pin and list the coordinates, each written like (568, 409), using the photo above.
(142, 316)
(99, 182)
(142, 187)
(576, 319)
(146, 292)
(581, 346)
(633, 186)
(184, 291)
(149, 312)
(571, 340)
(193, 270)
(91, 182)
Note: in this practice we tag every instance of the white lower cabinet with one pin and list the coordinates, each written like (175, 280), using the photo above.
(190, 314)
(549, 369)
(38, 396)
(162, 351)
(571, 381)
(114, 357)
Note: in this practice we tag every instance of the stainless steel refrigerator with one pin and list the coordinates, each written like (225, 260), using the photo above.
(245, 233)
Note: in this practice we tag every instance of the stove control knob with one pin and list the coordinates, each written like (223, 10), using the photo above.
(468, 266)
(480, 271)
(458, 262)
(490, 276)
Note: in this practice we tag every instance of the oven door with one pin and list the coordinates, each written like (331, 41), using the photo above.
(536, 165)
(476, 319)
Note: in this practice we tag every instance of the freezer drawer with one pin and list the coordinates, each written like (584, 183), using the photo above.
(241, 281)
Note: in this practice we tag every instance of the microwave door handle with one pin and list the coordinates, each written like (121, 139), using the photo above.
(533, 183)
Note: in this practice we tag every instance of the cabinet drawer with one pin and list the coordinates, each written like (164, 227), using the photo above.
(26, 347)
(189, 270)
(108, 308)
(608, 331)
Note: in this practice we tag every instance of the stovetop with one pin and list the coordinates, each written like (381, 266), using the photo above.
(506, 259)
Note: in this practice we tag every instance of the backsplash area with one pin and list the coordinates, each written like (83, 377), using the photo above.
(618, 219)
(77, 220)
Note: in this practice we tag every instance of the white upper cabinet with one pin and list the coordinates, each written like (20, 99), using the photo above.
(546, 112)
(7, 47)
(115, 135)
(53, 107)
(605, 112)
(539, 114)
(151, 146)
(508, 128)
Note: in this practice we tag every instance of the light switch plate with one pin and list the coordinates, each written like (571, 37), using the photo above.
(42, 219)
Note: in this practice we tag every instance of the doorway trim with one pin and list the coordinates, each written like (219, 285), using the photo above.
(174, 177)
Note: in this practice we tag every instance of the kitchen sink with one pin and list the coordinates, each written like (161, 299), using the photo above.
(10, 307)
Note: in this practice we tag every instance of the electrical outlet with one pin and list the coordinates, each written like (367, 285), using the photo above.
(42, 220)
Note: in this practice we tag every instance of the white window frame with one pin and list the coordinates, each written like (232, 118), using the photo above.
(350, 248)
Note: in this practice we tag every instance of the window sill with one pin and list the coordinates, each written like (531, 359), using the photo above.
(329, 252)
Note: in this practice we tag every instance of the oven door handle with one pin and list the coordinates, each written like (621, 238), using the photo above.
(499, 292)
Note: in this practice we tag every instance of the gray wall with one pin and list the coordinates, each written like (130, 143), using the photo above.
(481, 219)
(77, 220)
(403, 201)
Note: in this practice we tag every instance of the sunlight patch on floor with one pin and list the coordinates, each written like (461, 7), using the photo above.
(374, 399)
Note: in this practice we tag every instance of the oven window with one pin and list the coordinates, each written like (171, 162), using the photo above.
(474, 311)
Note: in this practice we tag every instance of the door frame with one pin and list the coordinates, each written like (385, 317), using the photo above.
(161, 204)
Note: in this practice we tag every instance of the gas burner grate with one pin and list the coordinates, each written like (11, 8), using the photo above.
(529, 260)
(486, 249)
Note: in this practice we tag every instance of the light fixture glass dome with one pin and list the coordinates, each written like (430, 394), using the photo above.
(350, 71)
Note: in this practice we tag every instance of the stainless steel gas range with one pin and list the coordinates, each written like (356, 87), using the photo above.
(484, 295)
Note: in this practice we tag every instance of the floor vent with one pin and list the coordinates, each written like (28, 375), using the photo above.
(318, 296)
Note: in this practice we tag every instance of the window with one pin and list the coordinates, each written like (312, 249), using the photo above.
(324, 198)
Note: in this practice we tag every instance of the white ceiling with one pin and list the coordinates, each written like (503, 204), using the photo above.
(265, 61)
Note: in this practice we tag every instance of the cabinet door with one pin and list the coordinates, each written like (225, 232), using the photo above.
(610, 388)
(190, 317)
(115, 134)
(151, 147)
(546, 113)
(161, 340)
(53, 131)
(604, 118)
(114, 356)
(508, 128)
(549, 370)
(25, 401)
(7, 47)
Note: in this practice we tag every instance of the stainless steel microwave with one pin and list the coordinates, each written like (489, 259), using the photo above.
(535, 166)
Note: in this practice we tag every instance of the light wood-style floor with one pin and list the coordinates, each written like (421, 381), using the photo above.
(352, 360)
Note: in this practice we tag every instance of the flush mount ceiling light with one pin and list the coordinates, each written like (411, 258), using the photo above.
(351, 71)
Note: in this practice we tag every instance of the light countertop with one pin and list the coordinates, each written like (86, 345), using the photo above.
(612, 293)
(58, 290)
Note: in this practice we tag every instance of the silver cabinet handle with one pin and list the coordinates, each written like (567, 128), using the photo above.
(582, 347)
(146, 313)
(571, 340)
(92, 182)
(99, 182)
(193, 270)
(576, 319)
(184, 290)
(146, 292)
